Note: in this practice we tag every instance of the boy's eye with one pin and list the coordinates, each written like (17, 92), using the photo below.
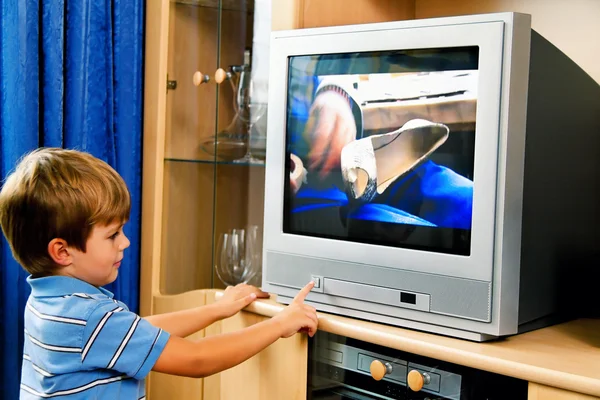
(114, 235)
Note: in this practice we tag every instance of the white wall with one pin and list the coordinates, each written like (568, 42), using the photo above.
(571, 25)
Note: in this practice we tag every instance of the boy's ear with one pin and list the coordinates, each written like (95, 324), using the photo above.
(59, 252)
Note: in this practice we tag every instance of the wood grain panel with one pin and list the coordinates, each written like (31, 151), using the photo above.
(236, 36)
(541, 392)
(192, 47)
(255, 203)
(187, 227)
(156, 46)
(239, 5)
(231, 199)
(163, 386)
(286, 14)
(239, 203)
(318, 13)
(212, 384)
(278, 372)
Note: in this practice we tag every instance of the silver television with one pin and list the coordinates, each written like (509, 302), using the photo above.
(431, 174)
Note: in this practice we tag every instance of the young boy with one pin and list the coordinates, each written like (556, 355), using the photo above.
(62, 212)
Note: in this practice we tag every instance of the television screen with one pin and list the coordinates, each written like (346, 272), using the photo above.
(380, 147)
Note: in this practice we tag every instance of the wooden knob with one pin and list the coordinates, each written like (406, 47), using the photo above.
(379, 369)
(415, 380)
(220, 75)
(199, 78)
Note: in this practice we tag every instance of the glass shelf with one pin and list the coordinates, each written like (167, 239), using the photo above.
(236, 5)
(252, 163)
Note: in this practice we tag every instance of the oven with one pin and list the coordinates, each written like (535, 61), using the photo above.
(342, 368)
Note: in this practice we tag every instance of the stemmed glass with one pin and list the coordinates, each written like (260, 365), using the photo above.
(254, 253)
(238, 256)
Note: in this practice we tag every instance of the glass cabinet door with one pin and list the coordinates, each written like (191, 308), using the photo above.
(214, 182)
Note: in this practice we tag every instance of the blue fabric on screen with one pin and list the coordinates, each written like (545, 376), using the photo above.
(431, 195)
(89, 331)
(435, 193)
(71, 76)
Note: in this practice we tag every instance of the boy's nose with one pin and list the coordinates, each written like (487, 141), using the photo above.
(125, 244)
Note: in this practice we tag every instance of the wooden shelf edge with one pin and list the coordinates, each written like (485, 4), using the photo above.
(233, 5)
(215, 162)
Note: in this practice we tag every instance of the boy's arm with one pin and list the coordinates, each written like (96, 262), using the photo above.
(217, 353)
(186, 322)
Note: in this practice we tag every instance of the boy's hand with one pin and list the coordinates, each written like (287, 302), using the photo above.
(235, 298)
(298, 316)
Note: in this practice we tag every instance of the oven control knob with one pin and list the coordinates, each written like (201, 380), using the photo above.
(416, 380)
(380, 369)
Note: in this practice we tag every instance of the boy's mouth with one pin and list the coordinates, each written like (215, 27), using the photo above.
(117, 264)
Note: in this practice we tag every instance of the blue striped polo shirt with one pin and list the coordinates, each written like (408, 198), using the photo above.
(81, 343)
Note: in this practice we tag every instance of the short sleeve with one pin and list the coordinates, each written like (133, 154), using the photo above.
(117, 339)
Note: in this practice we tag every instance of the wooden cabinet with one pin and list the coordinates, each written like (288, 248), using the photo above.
(278, 372)
(193, 191)
(163, 386)
(559, 362)
(541, 392)
(199, 179)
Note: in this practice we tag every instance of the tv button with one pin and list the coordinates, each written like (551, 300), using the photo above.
(317, 281)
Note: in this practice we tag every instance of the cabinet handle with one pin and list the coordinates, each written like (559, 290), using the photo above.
(379, 369)
(417, 380)
(221, 75)
(200, 78)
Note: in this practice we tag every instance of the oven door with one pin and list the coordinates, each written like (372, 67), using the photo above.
(330, 382)
(339, 368)
(342, 393)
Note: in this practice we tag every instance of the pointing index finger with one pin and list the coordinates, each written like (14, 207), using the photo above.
(304, 292)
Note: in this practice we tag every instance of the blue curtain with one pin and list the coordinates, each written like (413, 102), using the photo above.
(71, 76)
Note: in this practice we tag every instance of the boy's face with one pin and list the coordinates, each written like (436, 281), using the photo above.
(99, 265)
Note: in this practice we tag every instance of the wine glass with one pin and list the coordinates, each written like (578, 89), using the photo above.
(254, 248)
(234, 262)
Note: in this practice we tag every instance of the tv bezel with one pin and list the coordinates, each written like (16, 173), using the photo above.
(489, 38)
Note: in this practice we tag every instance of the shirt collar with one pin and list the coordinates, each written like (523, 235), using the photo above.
(58, 285)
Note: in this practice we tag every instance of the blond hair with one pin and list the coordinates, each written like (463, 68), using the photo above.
(58, 193)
